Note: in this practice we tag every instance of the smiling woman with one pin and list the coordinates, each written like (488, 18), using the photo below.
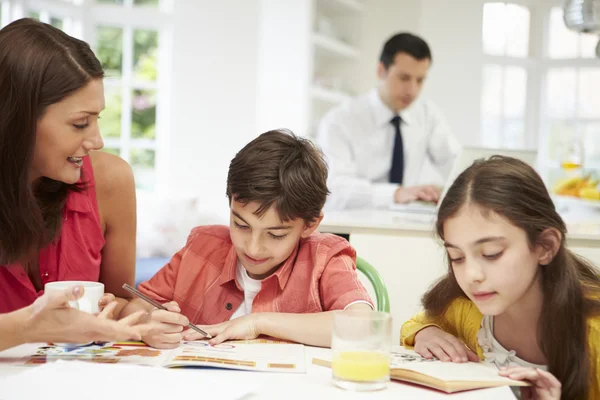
(67, 212)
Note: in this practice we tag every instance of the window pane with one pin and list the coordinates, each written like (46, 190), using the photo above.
(146, 2)
(110, 49)
(112, 150)
(515, 92)
(491, 133)
(560, 139)
(494, 29)
(109, 1)
(514, 134)
(34, 15)
(591, 145)
(562, 41)
(588, 44)
(491, 96)
(144, 54)
(143, 119)
(110, 118)
(588, 105)
(561, 92)
(56, 22)
(517, 28)
(142, 163)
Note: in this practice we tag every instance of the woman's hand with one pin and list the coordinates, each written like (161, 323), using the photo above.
(105, 300)
(51, 319)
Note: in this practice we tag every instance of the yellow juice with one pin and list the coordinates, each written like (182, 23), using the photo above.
(570, 165)
(361, 366)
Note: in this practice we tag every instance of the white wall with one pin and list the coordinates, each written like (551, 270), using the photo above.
(213, 99)
(381, 20)
(219, 73)
(453, 30)
(284, 52)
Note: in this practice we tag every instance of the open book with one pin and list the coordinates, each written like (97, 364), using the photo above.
(250, 355)
(408, 366)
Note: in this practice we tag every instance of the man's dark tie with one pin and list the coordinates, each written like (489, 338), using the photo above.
(397, 170)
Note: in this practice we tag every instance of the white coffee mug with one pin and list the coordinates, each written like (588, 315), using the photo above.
(93, 292)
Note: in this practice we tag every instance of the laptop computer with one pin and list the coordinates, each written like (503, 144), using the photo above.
(464, 159)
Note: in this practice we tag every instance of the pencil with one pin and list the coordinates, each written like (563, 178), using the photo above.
(160, 307)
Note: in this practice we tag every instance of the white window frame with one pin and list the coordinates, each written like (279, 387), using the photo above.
(5, 17)
(130, 19)
(531, 67)
(547, 64)
(69, 13)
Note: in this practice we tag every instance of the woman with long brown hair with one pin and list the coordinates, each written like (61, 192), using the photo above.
(514, 295)
(67, 212)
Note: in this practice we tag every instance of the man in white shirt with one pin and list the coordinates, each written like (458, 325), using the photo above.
(376, 144)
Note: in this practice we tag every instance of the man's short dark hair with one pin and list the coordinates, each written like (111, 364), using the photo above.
(283, 170)
(404, 43)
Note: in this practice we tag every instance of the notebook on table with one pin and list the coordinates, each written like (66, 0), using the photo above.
(250, 355)
(408, 366)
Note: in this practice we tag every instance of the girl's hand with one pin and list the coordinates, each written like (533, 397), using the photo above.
(545, 385)
(433, 342)
(240, 328)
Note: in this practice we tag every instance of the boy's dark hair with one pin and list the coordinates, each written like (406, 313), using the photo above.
(404, 43)
(281, 169)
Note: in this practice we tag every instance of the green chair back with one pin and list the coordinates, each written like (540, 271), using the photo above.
(383, 299)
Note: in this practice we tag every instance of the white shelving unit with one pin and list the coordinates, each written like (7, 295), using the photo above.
(334, 46)
(308, 59)
(328, 95)
(336, 34)
(342, 6)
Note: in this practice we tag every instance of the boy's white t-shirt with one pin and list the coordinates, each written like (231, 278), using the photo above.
(251, 287)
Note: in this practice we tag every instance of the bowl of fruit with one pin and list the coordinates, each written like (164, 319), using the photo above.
(584, 190)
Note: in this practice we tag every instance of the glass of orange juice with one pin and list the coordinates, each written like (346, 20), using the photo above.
(361, 344)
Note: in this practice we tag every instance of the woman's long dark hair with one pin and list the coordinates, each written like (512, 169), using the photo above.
(571, 286)
(39, 66)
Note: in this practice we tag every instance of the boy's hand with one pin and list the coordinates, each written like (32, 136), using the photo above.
(545, 385)
(434, 342)
(166, 327)
(245, 327)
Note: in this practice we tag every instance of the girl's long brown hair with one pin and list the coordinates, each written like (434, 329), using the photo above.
(571, 286)
(39, 66)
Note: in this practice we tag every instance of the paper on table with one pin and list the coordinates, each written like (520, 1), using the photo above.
(244, 355)
(402, 358)
(74, 380)
(418, 207)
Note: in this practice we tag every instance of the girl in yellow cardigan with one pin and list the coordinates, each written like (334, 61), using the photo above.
(514, 295)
